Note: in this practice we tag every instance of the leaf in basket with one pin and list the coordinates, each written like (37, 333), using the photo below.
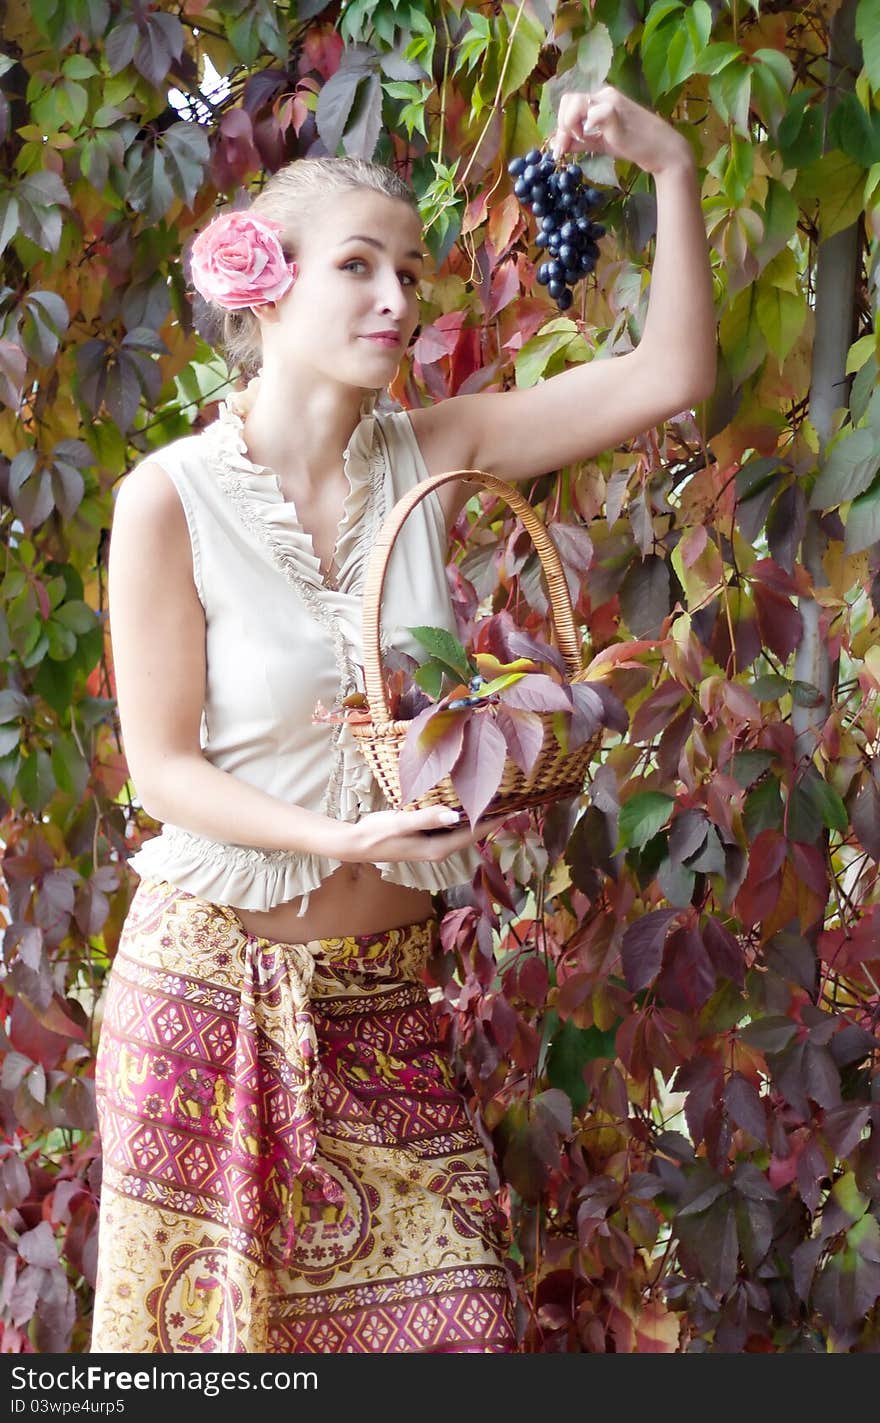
(524, 733)
(430, 678)
(477, 773)
(614, 714)
(521, 644)
(498, 684)
(588, 715)
(538, 693)
(491, 667)
(446, 648)
(430, 749)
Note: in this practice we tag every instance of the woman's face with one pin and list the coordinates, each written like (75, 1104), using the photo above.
(359, 270)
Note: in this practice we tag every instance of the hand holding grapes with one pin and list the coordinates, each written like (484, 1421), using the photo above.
(607, 122)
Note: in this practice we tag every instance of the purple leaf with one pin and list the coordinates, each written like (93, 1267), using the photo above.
(642, 947)
(688, 977)
(744, 1105)
(614, 713)
(524, 733)
(537, 692)
(430, 749)
(37, 1246)
(477, 773)
(588, 714)
(724, 951)
(520, 644)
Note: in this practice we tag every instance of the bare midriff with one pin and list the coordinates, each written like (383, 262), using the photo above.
(354, 899)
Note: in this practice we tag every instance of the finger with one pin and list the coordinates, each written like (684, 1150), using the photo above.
(432, 817)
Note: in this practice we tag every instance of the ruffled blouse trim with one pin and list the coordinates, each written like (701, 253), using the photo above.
(363, 463)
(240, 877)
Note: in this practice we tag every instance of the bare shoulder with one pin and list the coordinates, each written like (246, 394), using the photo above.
(148, 517)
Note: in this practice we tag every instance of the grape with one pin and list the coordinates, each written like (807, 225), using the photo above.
(561, 202)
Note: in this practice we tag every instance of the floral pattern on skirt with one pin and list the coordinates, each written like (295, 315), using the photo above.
(288, 1165)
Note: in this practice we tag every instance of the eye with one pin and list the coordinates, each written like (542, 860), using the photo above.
(409, 277)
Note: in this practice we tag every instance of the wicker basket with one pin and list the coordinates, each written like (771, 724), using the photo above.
(556, 773)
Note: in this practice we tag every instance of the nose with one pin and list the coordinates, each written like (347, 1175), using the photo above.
(392, 298)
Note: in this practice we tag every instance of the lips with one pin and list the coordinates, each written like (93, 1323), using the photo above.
(383, 338)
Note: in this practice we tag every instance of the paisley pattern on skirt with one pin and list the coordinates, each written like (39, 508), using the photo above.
(288, 1165)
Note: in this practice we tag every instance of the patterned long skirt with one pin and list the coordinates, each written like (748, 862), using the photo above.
(288, 1165)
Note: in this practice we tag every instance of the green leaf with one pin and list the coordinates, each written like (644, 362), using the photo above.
(763, 808)
(525, 50)
(534, 357)
(780, 221)
(445, 648)
(716, 57)
(863, 520)
(742, 339)
(781, 311)
(430, 678)
(731, 92)
(855, 131)
(800, 132)
(837, 184)
(594, 55)
(571, 1048)
(852, 463)
(642, 816)
(868, 32)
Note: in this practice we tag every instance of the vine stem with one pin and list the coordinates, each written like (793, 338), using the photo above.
(497, 100)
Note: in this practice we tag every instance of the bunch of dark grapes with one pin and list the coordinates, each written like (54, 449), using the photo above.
(562, 202)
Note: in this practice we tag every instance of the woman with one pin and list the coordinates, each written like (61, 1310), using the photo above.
(288, 1166)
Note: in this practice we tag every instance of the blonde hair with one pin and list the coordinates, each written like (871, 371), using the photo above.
(290, 197)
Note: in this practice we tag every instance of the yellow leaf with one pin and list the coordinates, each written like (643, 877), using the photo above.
(657, 1330)
(872, 664)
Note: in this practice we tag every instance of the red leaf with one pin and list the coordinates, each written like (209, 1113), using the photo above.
(477, 773)
(642, 947)
(779, 621)
(657, 710)
(430, 749)
(532, 981)
(760, 888)
(688, 976)
(809, 865)
(524, 733)
(505, 286)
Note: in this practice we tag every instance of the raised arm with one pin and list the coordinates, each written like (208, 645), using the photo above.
(157, 626)
(519, 434)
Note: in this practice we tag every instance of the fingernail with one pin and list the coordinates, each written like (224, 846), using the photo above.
(449, 817)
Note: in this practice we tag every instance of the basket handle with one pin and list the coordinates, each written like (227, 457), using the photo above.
(374, 579)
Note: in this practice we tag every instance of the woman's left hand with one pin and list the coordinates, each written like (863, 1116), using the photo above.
(607, 122)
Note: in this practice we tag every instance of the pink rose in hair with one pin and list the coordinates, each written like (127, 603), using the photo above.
(238, 261)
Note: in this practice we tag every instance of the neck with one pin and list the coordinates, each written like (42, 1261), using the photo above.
(301, 428)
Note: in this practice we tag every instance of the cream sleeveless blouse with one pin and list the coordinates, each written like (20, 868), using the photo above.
(280, 637)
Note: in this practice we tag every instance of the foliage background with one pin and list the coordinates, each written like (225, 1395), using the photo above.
(664, 995)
